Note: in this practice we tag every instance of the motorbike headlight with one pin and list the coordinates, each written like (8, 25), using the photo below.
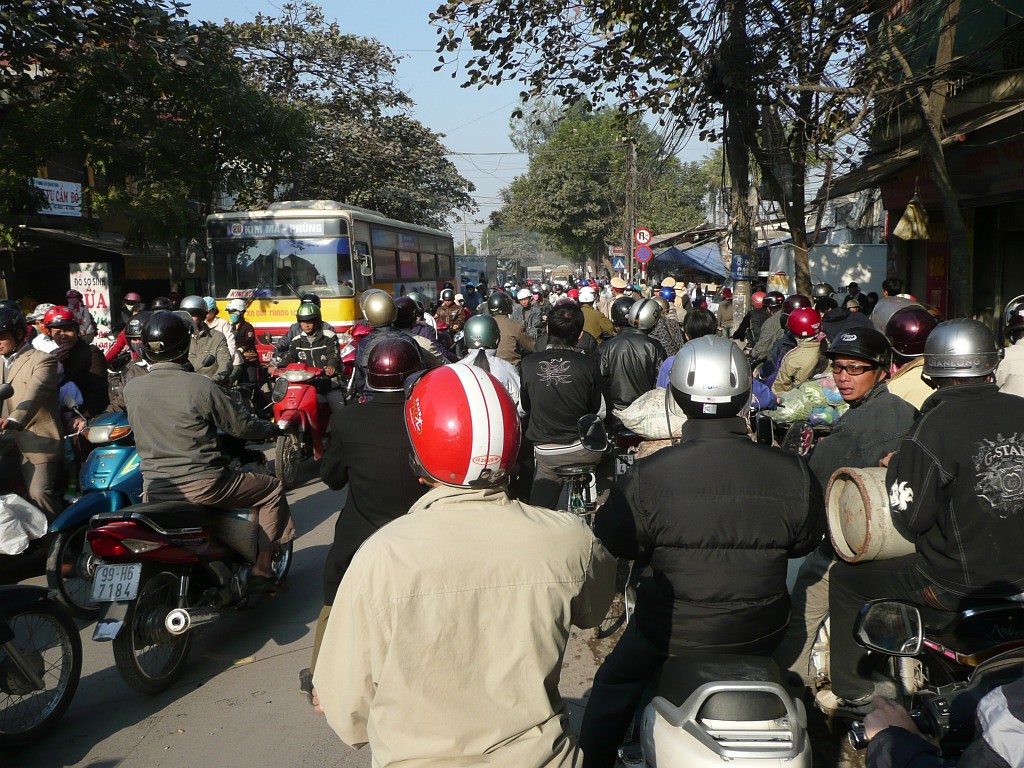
(296, 376)
(99, 434)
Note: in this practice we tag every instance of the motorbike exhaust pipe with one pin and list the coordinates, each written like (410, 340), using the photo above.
(181, 620)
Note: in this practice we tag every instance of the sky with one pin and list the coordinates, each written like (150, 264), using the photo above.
(474, 122)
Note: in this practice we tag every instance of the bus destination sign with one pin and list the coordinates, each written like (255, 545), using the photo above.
(256, 229)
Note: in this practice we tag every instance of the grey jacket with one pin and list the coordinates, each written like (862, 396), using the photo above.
(771, 331)
(208, 341)
(175, 415)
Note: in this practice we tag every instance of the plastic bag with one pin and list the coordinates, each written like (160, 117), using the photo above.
(646, 416)
(814, 394)
(793, 406)
(20, 523)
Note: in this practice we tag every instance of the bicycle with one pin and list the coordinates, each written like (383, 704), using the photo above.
(579, 481)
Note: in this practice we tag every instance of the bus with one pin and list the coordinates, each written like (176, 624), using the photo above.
(271, 257)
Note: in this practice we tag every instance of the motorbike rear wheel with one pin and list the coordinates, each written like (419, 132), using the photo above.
(47, 639)
(66, 573)
(148, 657)
(287, 457)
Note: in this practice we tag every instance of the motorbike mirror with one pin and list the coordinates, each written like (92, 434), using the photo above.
(208, 361)
(890, 627)
(593, 435)
(6, 391)
(70, 403)
(279, 391)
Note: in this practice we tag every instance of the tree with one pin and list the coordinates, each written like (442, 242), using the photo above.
(671, 58)
(574, 191)
(364, 148)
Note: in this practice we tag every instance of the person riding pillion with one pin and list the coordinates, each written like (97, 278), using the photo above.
(175, 415)
(482, 337)
(515, 341)
(206, 342)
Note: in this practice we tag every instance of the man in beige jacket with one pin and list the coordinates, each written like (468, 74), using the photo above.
(445, 643)
(33, 413)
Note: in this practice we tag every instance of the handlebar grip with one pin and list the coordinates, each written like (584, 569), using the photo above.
(858, 736)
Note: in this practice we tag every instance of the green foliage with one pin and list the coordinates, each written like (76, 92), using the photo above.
(574, 191)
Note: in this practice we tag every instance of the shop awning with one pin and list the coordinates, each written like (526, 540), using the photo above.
(706, 257)
(107, 241)
(877, 168)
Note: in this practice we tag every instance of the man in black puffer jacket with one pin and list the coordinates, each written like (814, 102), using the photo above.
(717, 542)
(629, 361)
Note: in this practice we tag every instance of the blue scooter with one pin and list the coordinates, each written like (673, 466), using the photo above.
(111, 479)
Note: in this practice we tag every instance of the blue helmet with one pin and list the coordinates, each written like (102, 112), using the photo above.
(668, 293)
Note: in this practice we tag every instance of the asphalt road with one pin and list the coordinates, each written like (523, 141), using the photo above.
(238, 704)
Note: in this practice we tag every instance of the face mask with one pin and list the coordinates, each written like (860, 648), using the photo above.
(233, 317)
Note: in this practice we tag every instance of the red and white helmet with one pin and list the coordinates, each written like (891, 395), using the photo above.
(804, 323)
(59, 317)
(463, 427)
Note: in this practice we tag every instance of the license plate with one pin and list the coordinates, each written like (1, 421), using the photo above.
(623, 461)
(116, 582)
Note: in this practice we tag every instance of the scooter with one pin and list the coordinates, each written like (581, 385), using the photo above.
(40, 664)
(962, 660)
(111, 479)
(711, 710)
(164, 570)
(303, 414)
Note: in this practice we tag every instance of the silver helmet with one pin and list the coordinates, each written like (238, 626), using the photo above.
(960, 348)
(644, 314)
(710, 378)
(379, 309)
(888, 306)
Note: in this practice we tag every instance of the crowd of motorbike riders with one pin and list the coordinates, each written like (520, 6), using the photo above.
(451, 584)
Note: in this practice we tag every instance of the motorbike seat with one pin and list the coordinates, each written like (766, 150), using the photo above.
(574, 470)
(164, 516)
(979, 632)
(682, 675)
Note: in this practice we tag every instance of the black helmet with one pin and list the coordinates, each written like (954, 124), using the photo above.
(447, 295)
(133, 330)
(406, 312)
(166, 337)
(307, 312)
(499, 303)
(160, 303)
(795, 302)
(773, 300)
(823, 291)
(620, 310)
(862, 343)
(390, 362)
(1015, 323)
(13, 321)
(482, 332)
(312, 298)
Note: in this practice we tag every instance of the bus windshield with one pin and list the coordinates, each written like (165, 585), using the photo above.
(281, 266)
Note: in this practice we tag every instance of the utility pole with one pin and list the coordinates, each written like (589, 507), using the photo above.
(738, 110)
(465, 233)
(630, 213)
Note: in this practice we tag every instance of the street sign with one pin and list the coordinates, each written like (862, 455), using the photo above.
(619, 264)
(642, 236)
(643, 254)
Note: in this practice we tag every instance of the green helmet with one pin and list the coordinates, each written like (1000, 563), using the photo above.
(307, 312)
(481, 332)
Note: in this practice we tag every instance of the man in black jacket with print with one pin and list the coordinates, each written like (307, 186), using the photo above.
(956, 488)
(717, 541)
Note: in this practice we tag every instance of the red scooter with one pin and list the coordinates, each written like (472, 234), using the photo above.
(301, 409)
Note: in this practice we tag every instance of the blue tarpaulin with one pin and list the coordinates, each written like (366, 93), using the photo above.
(706, 257)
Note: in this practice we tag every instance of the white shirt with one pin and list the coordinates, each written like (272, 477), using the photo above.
(502, 370)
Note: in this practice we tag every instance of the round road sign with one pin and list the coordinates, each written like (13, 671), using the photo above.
(643, 254)
(642, 236)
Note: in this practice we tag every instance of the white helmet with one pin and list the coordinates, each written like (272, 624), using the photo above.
(524, 293)
(587, 295)
(236, 305)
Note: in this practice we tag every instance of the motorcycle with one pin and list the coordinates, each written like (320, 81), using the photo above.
(715, 709)
(304, 413)
(164, 570)
(110, 479)
(40, 664)
(943, 666)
